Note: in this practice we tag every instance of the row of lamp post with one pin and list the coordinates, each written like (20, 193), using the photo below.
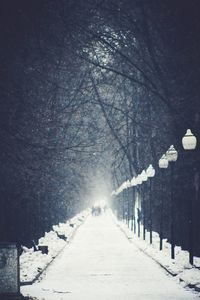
(189, 142)
(139, 189)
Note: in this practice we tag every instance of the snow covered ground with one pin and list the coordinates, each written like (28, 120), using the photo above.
(185, 273)
(32, 263)
(102, 264)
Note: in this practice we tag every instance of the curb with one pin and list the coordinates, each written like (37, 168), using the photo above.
(24, 283)
(143, 251)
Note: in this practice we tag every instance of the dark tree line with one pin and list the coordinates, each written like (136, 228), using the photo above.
(47, 136)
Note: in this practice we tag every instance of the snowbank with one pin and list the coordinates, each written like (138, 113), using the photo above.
(180, 268)
(32, 263)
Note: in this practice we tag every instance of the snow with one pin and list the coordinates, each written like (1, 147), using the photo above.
(101, 263)
(189, 277)
(180, 267)
(32, 263)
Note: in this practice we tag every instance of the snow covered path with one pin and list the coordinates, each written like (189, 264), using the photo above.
(101, 264)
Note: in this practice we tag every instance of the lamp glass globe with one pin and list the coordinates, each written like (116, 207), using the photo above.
(163, 162)
(189, 141)
(172, 154)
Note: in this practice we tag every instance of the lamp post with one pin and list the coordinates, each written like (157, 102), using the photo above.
(123, 186)
(123, 206)
(120, 192)
(163, 164)
(189, 143)
(150, 173)
(127, 202)
(172, 156)
(139, 182)
(144, 179)
(128, 185)
(133, 224)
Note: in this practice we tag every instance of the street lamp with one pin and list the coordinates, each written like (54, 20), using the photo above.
(189, 143)
(128, 185)
(144, 178)
(172, 156)
(120, 190)
(139, 182)
(163, 164)
(133, 181)
(150, 173)
(139, 179)
(133, 224)
(125, 203)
